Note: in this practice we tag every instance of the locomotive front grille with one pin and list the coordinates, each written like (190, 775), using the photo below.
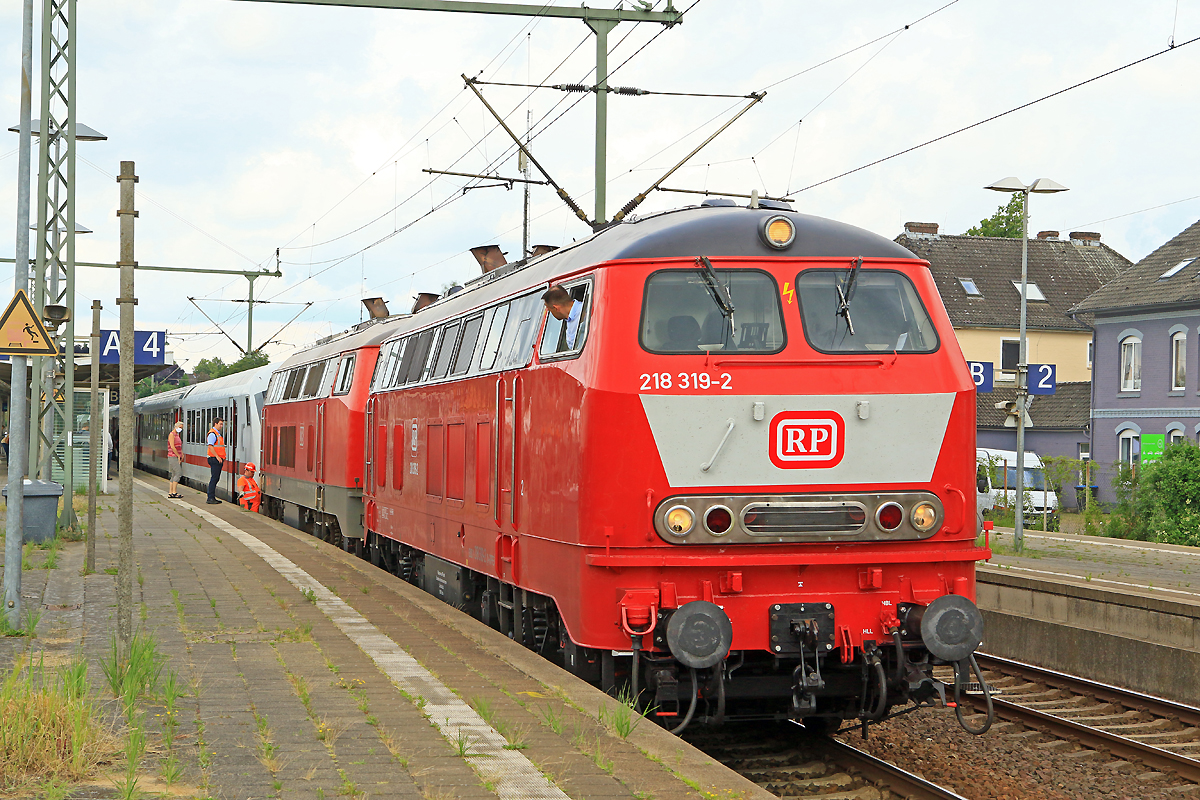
(774, 519)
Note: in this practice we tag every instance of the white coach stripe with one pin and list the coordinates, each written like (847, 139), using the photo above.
(513, 775)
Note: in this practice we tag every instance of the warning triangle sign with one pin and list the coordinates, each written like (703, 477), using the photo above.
(22, 333)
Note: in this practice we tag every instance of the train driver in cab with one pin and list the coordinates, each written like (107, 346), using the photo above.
(562, 306)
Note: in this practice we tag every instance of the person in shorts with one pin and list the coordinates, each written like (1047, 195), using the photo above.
(175, 457)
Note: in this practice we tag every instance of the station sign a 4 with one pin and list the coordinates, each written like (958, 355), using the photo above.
(807, 439)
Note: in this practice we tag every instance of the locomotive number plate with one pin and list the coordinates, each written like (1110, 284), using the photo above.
(794, 623)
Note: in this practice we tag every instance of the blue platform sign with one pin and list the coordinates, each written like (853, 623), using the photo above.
(149, 347)
(1041, 378)
(981, 373)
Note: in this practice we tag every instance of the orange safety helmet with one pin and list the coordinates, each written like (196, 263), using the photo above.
(250, 465)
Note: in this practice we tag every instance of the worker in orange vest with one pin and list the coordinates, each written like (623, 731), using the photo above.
(248, 491)
(216, 458)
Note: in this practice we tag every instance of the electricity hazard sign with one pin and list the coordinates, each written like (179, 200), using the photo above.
(22, 333)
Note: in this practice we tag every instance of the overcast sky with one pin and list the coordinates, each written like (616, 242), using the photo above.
(257, 126)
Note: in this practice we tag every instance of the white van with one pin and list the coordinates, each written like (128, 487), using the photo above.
(991, 481)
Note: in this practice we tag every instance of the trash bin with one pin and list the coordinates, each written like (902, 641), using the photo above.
(41, 509)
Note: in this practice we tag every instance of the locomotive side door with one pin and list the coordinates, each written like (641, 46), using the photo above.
(506, 423)
(318, 443)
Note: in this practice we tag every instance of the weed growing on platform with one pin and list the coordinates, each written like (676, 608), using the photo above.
(484, 709)
(110, 570)
(267, 748)
(133, 676)
(49, 729)
(515, 736)
(32, 615)
(553, 720)
(348, 787)
(135, 748)
(462, 744)
(309, 595)
(329, 730)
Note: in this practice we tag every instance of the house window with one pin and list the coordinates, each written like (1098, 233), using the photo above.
(1091, 346)
(1131, 364)
(970, 287)
(1174, 436)
(1179, 360)
(1175, 269)
(1032, 292)
(1129, 447)
(1010, 355)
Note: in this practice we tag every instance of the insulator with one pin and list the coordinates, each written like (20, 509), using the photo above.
(572, 87)
(628, 90)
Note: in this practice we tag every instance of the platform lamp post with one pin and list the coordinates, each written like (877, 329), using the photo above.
(1040, 186)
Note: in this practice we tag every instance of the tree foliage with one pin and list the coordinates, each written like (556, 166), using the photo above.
(146, 386)
(209, 368)
(1006, 222)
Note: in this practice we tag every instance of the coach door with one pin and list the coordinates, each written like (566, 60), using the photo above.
(233, 441)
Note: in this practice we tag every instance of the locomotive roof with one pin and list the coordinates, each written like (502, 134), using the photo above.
(730, 231)
(363, 335)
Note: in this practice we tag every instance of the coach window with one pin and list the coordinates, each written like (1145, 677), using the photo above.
(556, 340)
(345, 378)
(881, 307)
(687, 311)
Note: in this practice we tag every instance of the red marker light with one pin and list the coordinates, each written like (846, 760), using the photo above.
(718, 520)
(889, 516)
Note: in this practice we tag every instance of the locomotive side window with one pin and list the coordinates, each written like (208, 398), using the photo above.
(683, 311)
(446, 350)
(414, 357)
(345, 378)
(516, 345)
(466, 346)
(555, 340)
(882, 308)
(312, 384)
(491, 345)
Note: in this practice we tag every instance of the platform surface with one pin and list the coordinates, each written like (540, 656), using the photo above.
(1165, 571)
(360, 684)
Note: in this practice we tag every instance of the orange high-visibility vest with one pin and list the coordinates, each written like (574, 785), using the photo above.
(249, 496)
(217, 450)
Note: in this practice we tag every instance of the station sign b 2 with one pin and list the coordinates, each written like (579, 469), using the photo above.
(149, 347)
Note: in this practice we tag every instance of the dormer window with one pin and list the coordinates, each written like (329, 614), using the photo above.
(970, 288)
(1032, 292)
(1173, 271)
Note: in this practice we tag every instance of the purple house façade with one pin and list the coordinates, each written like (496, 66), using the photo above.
(1146, 324)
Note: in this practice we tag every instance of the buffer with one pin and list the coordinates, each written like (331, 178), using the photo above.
(21, 332)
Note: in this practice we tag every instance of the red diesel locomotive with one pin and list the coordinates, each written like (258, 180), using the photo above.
(736, 479)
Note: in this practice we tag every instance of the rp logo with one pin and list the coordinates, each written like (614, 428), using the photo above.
(807, 439)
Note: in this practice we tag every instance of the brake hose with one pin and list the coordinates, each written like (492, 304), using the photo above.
(987, 696)
(881, 705)
(691, 708)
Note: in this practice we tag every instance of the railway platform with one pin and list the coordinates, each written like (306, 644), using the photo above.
(311, 674)
(1123, 612)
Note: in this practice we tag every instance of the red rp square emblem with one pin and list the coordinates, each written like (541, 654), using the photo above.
(807, 439)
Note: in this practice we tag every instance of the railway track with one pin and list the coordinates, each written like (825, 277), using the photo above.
(1137, 727)
(792, 764)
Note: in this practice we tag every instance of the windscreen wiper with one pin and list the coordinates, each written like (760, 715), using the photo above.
(719, 291)
(846, 293)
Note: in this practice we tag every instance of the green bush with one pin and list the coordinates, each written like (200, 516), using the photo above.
(1161, 501)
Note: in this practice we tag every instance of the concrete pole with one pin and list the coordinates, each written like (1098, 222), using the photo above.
(126, 302)
(601, 29)
(96, 424)
(18, 421)
(1022, 381)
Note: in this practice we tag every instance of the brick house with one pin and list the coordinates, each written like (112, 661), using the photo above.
(979, 279)
(1145, 326)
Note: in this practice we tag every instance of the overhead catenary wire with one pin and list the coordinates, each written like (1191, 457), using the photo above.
(507, 153)
(995, 117)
